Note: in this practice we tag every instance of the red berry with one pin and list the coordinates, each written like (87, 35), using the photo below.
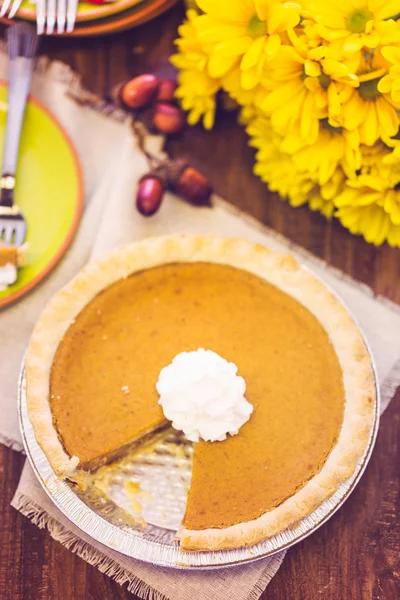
(139, 91)
(166, 90)
(168, 118)
(149, 195)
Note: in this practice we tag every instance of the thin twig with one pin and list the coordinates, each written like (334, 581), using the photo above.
(141, 140)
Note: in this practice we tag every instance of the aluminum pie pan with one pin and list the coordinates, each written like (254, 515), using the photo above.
(110, 522)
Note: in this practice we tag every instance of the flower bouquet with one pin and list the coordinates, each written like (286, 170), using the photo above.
(318, 85)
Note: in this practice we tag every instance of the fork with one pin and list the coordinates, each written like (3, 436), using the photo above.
(6, 5)
(50, 11)
(21, 44)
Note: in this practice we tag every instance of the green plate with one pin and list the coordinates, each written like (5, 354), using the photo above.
(49, 191)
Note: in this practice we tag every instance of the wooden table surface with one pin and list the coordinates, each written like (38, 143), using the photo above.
(355, 556)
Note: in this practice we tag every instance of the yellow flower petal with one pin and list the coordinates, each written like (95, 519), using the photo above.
(249, 79)
(382, 226)
(353, 43)
(372, 224)
(393, 236)
(272, 45)
(334, 68)
(369, 129)
(311, 68)
(309, 125)
(384, 10)
(219, 65)
(354, 112)
(387, 117)
(335, 108)
(235, 47)
(283, 17)
(371, 40)
(262, 9)
(208, 119)
(317, 53)
(395, 214)
(391, 53)
(283, 94)
(212, 32)
(253, 54)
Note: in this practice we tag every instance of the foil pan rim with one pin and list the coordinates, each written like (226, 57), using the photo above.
(157, 552)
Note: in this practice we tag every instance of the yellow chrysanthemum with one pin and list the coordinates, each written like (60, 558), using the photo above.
(390, 83)
(370, 203)
(356, 23)
(275, 168)
(309, 86)
(196, 89)
(320, 99)
(321, 198)
(335, 147)
(371, 113)
(193, 54)
(279, 170)
(244, 34)
(231, 83)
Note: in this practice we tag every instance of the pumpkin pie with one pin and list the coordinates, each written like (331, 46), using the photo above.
(11, 259)
(98, 348)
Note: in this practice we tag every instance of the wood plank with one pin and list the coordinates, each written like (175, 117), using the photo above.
(355, 555)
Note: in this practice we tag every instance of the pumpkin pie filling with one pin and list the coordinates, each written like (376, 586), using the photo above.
(8, 256)
(103, 395)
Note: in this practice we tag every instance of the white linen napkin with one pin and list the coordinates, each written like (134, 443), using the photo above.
(112, 165)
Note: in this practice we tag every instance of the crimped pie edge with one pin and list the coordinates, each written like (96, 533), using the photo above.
(281, 270)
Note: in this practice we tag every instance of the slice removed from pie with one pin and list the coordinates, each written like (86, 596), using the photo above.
(98, 348)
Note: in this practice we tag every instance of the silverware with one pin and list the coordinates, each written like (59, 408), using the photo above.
(22, 44)
(14, 7)
(50, 12)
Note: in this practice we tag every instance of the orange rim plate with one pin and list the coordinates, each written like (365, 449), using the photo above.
(86, 10)
(49, 191)
(133, 17)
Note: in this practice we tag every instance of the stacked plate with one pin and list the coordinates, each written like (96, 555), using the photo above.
(104, 18)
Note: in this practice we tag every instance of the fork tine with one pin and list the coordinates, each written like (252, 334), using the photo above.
(40, 16)
(4, 7)
(72, 7)
(15, 7)
(61, 15)
(51, 16)
(20, 233)
(8, 234)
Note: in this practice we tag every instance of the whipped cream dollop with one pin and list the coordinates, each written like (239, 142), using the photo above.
(201, 393)
(8, 275)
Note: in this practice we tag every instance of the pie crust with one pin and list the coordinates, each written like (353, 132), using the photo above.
(280, 270)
